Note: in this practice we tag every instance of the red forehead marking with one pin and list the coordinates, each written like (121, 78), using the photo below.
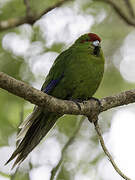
(94, 37)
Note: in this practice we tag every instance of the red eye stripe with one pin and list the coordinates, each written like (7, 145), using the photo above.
(94, 37)
(83, 41)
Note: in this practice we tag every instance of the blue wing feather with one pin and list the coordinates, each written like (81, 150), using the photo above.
(52, 85)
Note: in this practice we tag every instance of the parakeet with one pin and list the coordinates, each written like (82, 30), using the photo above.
(75, 74)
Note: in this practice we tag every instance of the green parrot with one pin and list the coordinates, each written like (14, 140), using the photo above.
(75, 75)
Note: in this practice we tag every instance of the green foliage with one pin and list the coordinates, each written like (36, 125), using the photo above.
(56, 47)
(13, 9)
(20, 176)
(63, 174)
(68, 123)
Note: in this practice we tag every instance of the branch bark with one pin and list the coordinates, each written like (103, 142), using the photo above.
(130, 8)
(28, 9)
(52, 104)
(29, 18)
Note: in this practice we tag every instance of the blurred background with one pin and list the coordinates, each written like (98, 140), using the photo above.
(32, 34)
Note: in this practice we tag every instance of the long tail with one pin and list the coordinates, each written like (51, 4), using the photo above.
(35, 130)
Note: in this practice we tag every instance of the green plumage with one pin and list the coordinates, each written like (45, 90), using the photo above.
(79, 71)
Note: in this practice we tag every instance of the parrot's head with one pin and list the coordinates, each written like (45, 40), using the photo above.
(91, 40)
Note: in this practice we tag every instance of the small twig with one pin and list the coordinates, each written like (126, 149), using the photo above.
(29, 18)
(14, 22)
(58, 4)
(119, 11)
(130, 8)
(69, 142)
(97, 128)
(28, 10)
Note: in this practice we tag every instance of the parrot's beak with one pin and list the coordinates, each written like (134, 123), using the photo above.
(97, 50)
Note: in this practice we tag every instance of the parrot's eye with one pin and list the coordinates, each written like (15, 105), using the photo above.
(95, 43)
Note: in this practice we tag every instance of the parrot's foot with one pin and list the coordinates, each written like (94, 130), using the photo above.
(77, 101)
(98, 101)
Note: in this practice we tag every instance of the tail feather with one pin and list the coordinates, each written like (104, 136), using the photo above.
(28, 122)
(37, 130)
(31, 117)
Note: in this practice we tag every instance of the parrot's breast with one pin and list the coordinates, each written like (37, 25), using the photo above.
(86, 78)
(81, 78)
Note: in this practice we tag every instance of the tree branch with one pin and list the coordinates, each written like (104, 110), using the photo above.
(119, 11)
(29, 18)
(52, 104)
(97, 128)
(28, 9)
(41, 99)
(130, 8)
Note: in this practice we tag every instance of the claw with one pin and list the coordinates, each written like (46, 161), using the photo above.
(96, 99)
(77, 101)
